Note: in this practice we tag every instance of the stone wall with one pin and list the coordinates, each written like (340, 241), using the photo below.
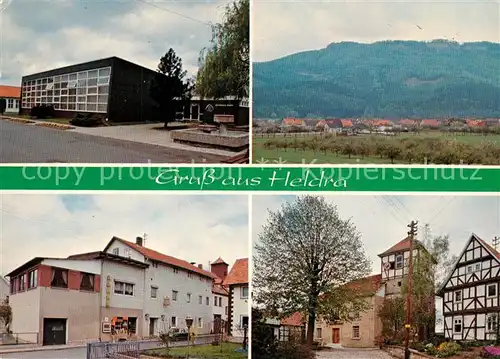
(399, 352)
(234, 142)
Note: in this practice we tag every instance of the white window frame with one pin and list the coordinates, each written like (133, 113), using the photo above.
(455, 300)
(461, 325)
(154, 289)
(124, 284)
(489, 321)
(470, 269)
(401, 263)
(242, 295)
(488, 291)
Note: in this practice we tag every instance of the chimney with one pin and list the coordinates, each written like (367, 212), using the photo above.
(192, 263)
(200, 266)
(138, 241)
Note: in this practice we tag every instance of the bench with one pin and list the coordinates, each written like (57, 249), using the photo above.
(241, 158)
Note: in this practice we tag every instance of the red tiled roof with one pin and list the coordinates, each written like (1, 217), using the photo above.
(293, 121)
(294, 320)
(346, 123)
(490, 248)
(159, 257)
(398, 247)
(476, 123)
(219, 261)
(433, 123)
(218, 288)
(10, 91)
(238, 273)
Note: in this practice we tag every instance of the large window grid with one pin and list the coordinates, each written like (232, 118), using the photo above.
(84, 91)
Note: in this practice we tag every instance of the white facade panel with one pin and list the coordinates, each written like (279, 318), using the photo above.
(112, 273)
(92, 267)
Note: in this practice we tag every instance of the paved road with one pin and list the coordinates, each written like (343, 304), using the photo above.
(352, 354)
(74, 353)
(20, 143)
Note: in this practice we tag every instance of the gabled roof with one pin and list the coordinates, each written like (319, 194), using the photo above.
(160, 257)
(238, 273)
(294, 320)
(10, 91)
(403, 245)
(218, 288)
(219, 261)
(488, 247)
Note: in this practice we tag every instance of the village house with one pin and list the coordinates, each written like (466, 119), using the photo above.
(292, 122)
(12, 96)
(126, 291)
(238, 310)
(220, 295)
(363, 331)
(471, 302)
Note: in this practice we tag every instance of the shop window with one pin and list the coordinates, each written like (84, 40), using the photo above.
(123, 325)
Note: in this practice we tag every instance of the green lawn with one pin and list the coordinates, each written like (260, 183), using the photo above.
(225, 351)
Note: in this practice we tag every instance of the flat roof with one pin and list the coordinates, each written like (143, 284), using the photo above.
(84, 66)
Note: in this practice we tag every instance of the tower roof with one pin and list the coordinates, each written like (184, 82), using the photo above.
(219, 261)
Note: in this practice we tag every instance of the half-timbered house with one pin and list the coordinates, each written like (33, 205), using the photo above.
(470, 293)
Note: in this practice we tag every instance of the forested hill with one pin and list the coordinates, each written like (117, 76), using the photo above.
(390, 79)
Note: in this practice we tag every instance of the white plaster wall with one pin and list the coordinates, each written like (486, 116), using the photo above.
(125, 251)
(93, 267)
(166, 279)
(240, 308)
(124, 273)
(216, 310)
(26, 315)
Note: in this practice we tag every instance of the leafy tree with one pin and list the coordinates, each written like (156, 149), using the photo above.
(392, 315)
(170, 89)
(225, 65)
(5, 313)
(3, 105)
(305, 255)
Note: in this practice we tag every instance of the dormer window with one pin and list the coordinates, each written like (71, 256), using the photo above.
(399, 261)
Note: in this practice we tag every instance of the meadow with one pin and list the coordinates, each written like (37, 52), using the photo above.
(423, 147)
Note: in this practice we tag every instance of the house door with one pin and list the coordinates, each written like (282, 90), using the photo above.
(217, 323)
(335, 335)
(54, 331)
(152, 326)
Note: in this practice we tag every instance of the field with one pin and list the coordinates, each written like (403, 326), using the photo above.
(417, 148)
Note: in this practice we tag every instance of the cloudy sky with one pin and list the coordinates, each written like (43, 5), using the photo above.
(41, 35)
(382, 220)
(194, 228)
(284, 27)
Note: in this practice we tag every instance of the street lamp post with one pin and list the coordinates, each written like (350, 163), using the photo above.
(189, 324)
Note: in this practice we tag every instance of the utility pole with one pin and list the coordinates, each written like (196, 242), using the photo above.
(411, 236)
(496, 242)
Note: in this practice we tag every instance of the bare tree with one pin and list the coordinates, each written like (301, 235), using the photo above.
(305, 256)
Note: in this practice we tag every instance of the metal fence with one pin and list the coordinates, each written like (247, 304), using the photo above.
(133, 349)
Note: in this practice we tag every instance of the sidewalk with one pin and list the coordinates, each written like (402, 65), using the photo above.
(24, 348)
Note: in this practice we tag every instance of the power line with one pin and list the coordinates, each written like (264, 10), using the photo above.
(176, 13)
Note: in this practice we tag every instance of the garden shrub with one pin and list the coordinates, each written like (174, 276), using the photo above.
(42, 111)
(87, 120)
(448, 349)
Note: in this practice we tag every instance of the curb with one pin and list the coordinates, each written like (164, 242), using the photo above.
(19, 120)
(38, 349)
(56, 126)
